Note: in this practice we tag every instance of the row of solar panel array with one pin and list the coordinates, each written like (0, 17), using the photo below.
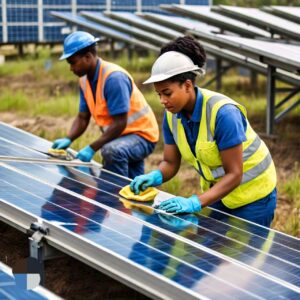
(24, 21)
(208, 254)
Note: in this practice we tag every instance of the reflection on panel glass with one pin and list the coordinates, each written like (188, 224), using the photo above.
(191, 264)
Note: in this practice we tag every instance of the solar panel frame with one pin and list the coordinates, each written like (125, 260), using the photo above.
(14, 167)
(124, 27)
(224, 23)
(264, 20)
(178, 23)
(104, 30)
(291, 13)
(139, 22)
(262, 282)
(257, 49)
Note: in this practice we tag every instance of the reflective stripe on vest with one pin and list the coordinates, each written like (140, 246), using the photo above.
(134, 117)
(220, 172)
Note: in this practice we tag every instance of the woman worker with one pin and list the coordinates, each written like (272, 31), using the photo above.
(212, 133)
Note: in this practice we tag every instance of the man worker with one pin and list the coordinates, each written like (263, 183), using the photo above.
(109, 94)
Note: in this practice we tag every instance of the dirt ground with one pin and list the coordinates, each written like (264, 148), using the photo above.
(87, 283)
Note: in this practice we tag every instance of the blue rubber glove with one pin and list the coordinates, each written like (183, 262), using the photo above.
(140, 183)
(181, 205)
(85, 154)
(63, 143)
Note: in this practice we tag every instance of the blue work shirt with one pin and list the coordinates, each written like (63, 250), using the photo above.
(117, 92)
(230, 129)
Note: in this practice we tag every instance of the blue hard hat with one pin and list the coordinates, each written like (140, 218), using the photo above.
(77, 41)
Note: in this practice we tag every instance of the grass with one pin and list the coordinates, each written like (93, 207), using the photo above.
(54, 101)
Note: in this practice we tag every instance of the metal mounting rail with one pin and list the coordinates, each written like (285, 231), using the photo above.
(47, 161)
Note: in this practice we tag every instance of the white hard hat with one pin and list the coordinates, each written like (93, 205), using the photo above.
(171, 63)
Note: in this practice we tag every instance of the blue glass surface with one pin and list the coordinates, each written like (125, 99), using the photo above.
(9, 289)
(245, 257)
(186, 264)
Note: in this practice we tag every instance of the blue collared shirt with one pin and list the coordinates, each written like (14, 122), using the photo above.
(117, 92)
(230, 129)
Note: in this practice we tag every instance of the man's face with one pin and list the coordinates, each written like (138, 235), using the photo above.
(79, 64)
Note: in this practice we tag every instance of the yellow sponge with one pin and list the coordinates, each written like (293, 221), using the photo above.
(147, 195)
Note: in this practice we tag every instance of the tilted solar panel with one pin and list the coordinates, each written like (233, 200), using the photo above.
(291, 13)
(264, 20)
(139, 22)
(103, 30)
(123, 27)
(190, 255)
(204, 14)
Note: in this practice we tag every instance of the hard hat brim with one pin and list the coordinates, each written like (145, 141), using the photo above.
(67, 55)
(162, 77)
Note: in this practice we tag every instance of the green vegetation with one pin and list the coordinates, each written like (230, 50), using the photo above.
(256, 3)
(44, 88)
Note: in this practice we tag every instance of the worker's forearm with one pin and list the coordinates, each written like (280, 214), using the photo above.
(222, 188)
(110, 134)
(168, 169)
(78, 128)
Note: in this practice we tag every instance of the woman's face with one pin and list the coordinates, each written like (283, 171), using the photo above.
(176, 96)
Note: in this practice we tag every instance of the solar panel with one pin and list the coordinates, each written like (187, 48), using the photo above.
(204, 14)
(179, 23)
(123, 27)
(103, 30)
(139, 22)
(10, 290)
(187, 256)
(291, 13)
(31, 21)
(271, 53)
(263, 20)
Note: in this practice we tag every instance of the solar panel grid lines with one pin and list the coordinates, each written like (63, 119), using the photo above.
(87, 200)
(103, 30)
(204, 14)
(264, 20)
(190, 254)
(109, 177)
(114, 238)
(123, 27)
(229, 243)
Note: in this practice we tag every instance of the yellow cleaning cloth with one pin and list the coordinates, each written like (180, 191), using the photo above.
(57, 152)
(147, 195)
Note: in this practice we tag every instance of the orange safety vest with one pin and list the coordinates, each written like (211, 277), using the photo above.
(141, 119)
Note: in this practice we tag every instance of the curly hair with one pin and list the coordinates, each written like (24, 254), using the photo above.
(188, 46)
(191, 48)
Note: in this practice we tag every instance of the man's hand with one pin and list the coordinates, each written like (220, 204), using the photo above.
(181, 205)
(140, 183)
(86, 154)
(63, 143)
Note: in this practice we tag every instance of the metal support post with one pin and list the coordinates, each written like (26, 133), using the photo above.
(37, 249)
(270, 100)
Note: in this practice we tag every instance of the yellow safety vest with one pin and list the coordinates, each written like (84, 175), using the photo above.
(259, 174)
(141, 119)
